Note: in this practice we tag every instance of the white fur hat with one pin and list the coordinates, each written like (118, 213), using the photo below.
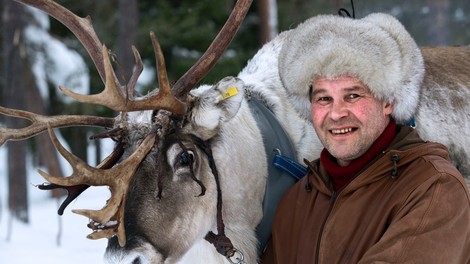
(376, 49)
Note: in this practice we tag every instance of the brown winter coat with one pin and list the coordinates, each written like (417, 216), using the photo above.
(421, 215)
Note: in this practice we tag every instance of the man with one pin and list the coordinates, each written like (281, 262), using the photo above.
(378, 193)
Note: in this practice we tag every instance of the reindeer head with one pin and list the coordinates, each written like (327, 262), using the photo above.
(153, 149)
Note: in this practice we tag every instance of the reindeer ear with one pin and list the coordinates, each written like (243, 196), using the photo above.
(214, 105)
(220, 101)
(230, 95)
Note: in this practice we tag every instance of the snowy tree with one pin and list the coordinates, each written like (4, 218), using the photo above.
(34, 64)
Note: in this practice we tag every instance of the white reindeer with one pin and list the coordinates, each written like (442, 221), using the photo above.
(193, 170)
(229, 124)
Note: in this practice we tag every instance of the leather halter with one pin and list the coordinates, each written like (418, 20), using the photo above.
(221, 242)
(275, 141)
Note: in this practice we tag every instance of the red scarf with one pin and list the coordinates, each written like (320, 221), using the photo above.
(341, 175)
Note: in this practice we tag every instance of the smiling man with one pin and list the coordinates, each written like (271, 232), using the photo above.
(378, 193)
(347, 117)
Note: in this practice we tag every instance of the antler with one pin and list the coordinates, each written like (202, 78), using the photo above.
(40, 123)
(109, 221)
(113, 96)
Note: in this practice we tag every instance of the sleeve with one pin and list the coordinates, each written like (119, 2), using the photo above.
(433, 226)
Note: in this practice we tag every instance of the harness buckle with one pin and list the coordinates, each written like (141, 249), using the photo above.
(236, 257)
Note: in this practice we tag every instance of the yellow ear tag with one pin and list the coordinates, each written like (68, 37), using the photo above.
(231, 91)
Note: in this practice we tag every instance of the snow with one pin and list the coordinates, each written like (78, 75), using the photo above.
(37, 242)
(53, 62)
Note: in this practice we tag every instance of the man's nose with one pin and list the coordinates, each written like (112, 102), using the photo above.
(338, 110)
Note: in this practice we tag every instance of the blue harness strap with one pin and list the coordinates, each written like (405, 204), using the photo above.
(283, 170)
(290, 166)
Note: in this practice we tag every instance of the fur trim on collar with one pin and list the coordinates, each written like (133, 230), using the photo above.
(376, 49)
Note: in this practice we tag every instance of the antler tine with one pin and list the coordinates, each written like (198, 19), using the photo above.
(117, 178)
(215, 50)
(162, 75)
(40, 123)
(83, 173)
(82, 28)
(113, 97)
(139, 67)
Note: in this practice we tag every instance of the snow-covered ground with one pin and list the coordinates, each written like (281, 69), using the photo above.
(37, 242)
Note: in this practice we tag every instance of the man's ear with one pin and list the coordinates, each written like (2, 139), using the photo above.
(388, 107)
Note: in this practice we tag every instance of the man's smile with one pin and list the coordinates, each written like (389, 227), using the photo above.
(342, 131)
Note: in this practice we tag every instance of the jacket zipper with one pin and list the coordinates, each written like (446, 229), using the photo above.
(333, 198)
(330, 208)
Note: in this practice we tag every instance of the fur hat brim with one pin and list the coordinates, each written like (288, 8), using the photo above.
(376, 49)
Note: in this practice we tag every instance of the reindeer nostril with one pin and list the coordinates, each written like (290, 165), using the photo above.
(186, 158)
(136, 261)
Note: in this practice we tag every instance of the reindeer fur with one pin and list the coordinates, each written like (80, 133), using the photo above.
(443, 113)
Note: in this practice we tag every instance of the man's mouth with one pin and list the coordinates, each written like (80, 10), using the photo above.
(342, 131)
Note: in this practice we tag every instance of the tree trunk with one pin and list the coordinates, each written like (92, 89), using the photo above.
(15, 67)
(267, 10)
(128, 17)
(45, 150)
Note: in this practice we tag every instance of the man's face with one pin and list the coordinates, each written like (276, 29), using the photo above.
(347, 117)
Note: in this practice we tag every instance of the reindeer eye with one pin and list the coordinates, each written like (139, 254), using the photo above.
(186, 157)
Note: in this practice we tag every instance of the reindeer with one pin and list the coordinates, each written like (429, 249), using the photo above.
(443, 112)
(189, 170)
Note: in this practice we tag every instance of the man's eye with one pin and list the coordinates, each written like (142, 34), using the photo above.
(323, 100)
(352, 96)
